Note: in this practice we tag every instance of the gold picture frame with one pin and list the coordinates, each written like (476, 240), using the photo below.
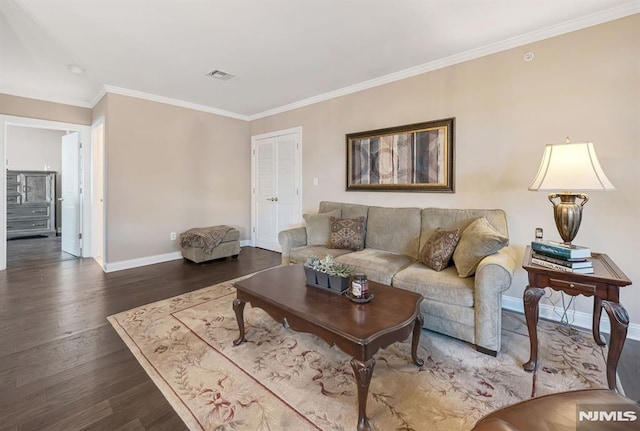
(412, 158)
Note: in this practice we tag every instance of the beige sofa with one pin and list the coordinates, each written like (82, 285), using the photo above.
(467, 308)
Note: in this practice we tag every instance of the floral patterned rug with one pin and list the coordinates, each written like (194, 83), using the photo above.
(283, 380)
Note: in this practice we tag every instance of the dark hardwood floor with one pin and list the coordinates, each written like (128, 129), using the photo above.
(36, 250)
(62, 366)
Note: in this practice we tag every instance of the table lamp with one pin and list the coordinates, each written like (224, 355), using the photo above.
(568, 168)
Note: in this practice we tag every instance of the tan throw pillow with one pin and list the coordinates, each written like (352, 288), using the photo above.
(318, 227)
(437, 251)
(478, 240)
(346, 233)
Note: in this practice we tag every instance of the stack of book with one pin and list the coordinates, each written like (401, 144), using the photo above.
(562, 257)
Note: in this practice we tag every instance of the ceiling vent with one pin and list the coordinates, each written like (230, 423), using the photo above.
(219, 74)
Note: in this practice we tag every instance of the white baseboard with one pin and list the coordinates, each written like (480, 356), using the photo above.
(577, 318)
(150, 260)
(142, 261)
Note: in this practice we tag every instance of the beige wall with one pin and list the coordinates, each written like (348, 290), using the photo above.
(29, 148)
(43, 110)
(585, 85)
(170, 169)
(99, 110)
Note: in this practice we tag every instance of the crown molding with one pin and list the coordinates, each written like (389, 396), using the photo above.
(61, 101)
(622, 11)
(169, 101)
(98, 97)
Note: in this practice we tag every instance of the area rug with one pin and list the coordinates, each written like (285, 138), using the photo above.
(283, 380)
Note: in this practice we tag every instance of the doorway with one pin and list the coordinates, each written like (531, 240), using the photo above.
(38, 175)
(276, 177)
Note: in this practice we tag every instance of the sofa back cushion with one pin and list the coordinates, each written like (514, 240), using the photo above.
(447, 218)
(347, 210)
(319, 227)
(394, 229)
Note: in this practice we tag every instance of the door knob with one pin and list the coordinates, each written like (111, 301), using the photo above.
(60, 199)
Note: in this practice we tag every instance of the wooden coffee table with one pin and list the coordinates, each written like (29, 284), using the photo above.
(359, 330)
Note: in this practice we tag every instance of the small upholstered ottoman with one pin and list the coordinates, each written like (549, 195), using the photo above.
(209, 243)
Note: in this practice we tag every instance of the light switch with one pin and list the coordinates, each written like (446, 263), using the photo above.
(315, 181)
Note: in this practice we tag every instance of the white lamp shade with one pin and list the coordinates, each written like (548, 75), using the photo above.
(570, 167)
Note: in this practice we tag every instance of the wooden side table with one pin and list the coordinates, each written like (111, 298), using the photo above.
(604, 285)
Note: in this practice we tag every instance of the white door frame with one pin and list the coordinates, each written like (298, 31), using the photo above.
(254, 175)
(98, 230)
(85, 166)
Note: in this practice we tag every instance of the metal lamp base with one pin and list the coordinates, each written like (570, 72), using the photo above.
(568, 213)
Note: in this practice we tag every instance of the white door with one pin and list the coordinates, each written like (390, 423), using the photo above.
(266, 194)
(277, 185)
(70, 200)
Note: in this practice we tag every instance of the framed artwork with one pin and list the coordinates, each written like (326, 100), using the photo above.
(412, 158)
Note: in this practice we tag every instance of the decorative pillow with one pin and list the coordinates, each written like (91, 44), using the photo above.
(478, 240)
(437, 251)
(318, 227)
(346, 233)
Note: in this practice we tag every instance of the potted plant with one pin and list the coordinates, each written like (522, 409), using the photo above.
(311, 269)
(324, 268)
(339, 277)
(327, 273)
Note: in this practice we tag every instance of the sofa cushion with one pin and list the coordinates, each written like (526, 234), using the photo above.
(478, 240)
(347, 233)
(396, 230)
(301, 254)
(318, 227)
(437, 251)
(451, 218)
(442, 286)
(378, 265)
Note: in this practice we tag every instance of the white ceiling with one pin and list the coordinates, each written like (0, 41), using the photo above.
(284, 53)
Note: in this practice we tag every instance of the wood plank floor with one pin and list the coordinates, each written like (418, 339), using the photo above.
(62, 366)
(36, 250)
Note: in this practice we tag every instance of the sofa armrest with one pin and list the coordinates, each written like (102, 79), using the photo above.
(289, 239)
(499, 266)
(493, 276)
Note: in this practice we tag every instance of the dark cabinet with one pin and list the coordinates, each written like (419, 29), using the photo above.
(30, 203)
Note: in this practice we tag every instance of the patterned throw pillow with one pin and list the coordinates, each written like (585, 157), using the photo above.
(346, 233)
(438, 249)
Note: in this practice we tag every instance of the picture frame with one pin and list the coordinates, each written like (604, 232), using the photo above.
(411, 158)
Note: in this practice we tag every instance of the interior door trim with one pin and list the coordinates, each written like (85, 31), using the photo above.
(85, 162)
(255, 138)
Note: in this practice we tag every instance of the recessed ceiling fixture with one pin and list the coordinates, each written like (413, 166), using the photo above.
(219, 74)
(75, 69)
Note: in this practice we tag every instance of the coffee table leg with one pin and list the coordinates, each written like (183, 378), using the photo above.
(238, 308)
(415, 340)
(363, 372)
(619, 320)
(531, 298)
